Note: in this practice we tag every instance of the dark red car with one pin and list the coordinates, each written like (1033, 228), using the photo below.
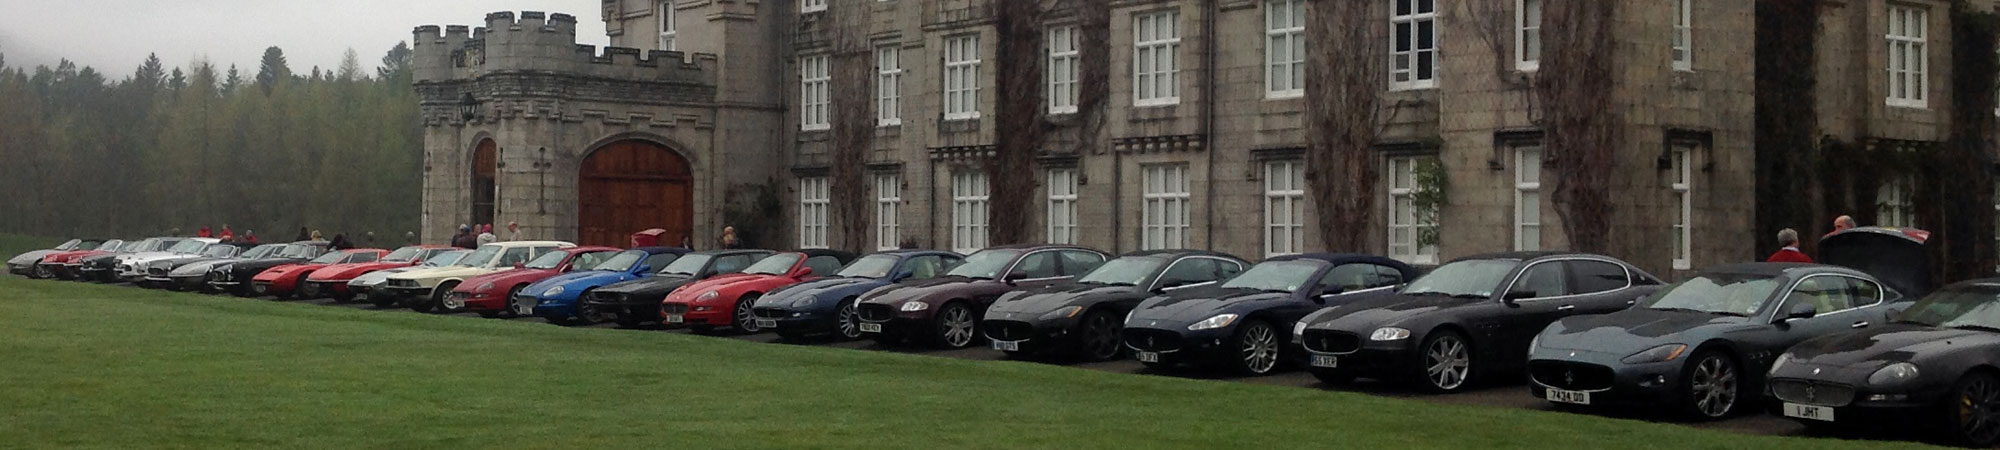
(725, 301)
(490, 294)
(331, 281)
(946, 310)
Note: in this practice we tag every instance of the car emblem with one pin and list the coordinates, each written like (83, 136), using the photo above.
(1811, 393)
(1149, 342)
(1815, 371)
(1572, 354)
(1569, 378)
(1153, 323)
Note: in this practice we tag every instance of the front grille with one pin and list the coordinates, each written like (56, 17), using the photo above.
(1329, 341)
(875, 312)
(607, 297)
(1812, 392)
(1008, 330)
(401, 283)
(1149, 340)
(1573, 376)
(674, 308)
(159, 272)
(770, 313)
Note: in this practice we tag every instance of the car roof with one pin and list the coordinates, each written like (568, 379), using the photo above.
(589, 249)
(1771, 268)
(660, 250)
(1041, 247)
(1523, 255)
(818, 252)
(733, 251)
(513, 244)
(1177, 254)
(1343, 258)
(916, 252)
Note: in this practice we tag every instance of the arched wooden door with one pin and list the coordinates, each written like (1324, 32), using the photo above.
(485, 170)
(633, 186)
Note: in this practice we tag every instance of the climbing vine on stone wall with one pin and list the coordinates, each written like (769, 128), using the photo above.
(1020, 121)
(1345, 74)
(1574, 86)
(852, 135)
(1787, 119)
(1959, 182)
(1432, 192)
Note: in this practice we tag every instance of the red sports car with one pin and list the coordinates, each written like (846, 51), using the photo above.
(63, 265)
(490, 295)
(284, 281)
(725, 300)
(331, 281)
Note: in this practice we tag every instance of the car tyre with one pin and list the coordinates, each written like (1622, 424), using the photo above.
(742, 317)
(300, 290)
(511, 308)
(1713, 386)
(846, 321)
(40, 273)
(956, 326)
(1444, 363)
(1972, 412)
(1254, 349)
(1099, 334)
(586, 314)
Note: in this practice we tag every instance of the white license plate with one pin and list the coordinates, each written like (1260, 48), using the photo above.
(1570, 397)
(1149, 357)
(871, 328)
(1326, 361)
(360, 297)
(1007, 346)
(767, 323)
(675, 318)
(1808, 412)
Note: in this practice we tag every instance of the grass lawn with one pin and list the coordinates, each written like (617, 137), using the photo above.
(109, 367)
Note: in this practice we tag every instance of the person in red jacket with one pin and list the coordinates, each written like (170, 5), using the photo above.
(226, 235)
(1791, 253)
(203, 233)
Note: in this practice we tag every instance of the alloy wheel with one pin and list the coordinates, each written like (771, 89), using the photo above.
(1260, 348)
(850, 325)
(957, 326)
(1446, 362)
(42, 272)
(1100, 336)
(521, 308)
(1979, 410)
(746, 318)
(1713, 387)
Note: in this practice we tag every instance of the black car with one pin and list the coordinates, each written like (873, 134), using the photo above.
(1243, 325)
(1702, 345)
(1085, 317)
(104, 268)
(1471, 317)
(159, 272)
(234, 278)
(636, 302)
(193, 275)
(944, 311)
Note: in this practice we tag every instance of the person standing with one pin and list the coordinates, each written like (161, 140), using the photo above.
(203, 232)
(486, 234)
(728, 240)
(513, 231)
(249, 236)
(226, 236)
(464, 239)
(1790, 253)
(1843, 223)
(304, 235)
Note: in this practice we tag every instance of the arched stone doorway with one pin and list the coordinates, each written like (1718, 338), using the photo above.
(485, 170)
(631, 186)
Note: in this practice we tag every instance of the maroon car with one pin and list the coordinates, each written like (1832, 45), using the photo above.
(946, 310)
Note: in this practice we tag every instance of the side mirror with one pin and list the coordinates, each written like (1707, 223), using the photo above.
(519, 265)
(1013, 277)
(1801, 311)
(801, 272)
(645, 269)
(1517, 295)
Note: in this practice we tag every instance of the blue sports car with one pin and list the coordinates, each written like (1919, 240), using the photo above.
(826, 306)
(556, 299)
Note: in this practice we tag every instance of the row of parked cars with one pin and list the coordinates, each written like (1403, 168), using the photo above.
(1857, 341)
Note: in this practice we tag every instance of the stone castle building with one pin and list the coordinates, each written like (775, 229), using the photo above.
(702, 111)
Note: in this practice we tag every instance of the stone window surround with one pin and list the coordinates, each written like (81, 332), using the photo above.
(1414, 57)
(1065, 57)
(1162, 45)
(961, 76)
(1904, 43)
(815, 92)
(1284, 48)
(888, 86)
(1527, 35)
(1683, 42)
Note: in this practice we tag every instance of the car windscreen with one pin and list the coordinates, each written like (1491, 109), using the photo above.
(72, 244)
(188, 246)
(329, 258)
(1276, 276)
(219, 251)
(1716, 293)
(1473, 278)
(1127, 271)
(480, 257)
(264, 251)
(299, 251)
(446, 258)
(985, 264)
(405, 254)
(547, 261)
(1975, 307)
(870, 267)
(775, 264)
(112, 245)
(621, 262)
(162, 245)
(687, 265)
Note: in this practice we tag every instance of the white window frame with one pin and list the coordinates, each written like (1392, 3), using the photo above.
(815, 80)
(1166, 206)
(888, 208)
(668, 29)
(888, 86)
(1405, 226)
(1284, 49)
(1683, 45)
(812, 6)
(1908, 56)
(969, 203)
(1404, 63)
(1062, 190)
(1683, 227)
(1527, 35)
(1064, 57)
(813, 202)
(1284, 208)
(1156, 46)
(961, 77)
(1894, 207)
(1527, 234)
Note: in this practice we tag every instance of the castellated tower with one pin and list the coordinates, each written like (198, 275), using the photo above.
(524, 125)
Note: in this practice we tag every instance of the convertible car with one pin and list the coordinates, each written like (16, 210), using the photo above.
(103, 268)
(425, 290)
(236, 278)
(131, 267)
(1702, 346)
(159, 273)
(945, 311)
(63, 265)
(194, 276)
(636, 302)
(365, 288)
(726, 300)
(826, 306)
(492, 295)
(1244, 325)
(1471, 317)
(556, 298)
(288, 280)
(332, 280)
(1085, 318)
(1934, 367)
(29, 264)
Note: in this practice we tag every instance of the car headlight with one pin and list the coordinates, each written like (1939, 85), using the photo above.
(1535, 343)
(1780, 363)
(1063, 313)
(915, 306)
(706, 296)
(1893, 375)
(1389, 334)
(484, 287)
(1211, 323)
(1658, 354)
(806, 302)
(554, 291)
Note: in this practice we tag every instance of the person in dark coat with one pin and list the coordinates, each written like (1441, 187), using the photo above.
(1790, 254)
(465, 239)
(304, 235)
(340, 242)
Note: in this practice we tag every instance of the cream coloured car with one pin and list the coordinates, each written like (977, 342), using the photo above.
(424, 289)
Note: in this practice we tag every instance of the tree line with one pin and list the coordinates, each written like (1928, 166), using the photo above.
(164, 150)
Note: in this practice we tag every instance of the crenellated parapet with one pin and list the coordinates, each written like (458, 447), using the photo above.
(544, 43)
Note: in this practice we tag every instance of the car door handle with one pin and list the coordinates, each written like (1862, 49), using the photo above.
(1861, 324)
(1631, 302)
(1565, 307)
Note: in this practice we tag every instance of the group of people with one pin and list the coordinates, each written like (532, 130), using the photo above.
(468, 239)
(249, 237)
(1789, 238)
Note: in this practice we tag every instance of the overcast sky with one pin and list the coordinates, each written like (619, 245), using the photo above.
(115, 35)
